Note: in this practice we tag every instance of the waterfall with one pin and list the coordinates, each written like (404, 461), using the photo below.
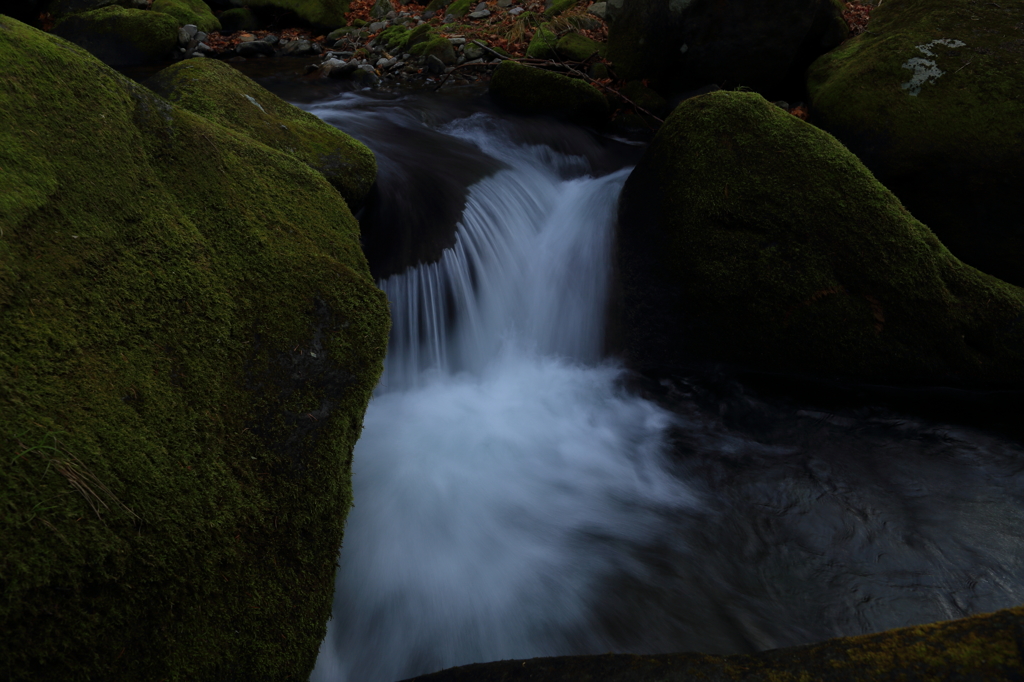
(501, 463)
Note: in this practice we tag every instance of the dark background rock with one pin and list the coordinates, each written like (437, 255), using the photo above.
(680, 45)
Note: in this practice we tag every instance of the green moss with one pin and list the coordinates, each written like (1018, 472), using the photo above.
(323, 14)
(530, 90)
(395, 37)
(577, 48)
(189, 335)
(982, 648)
(189, 12)
(238, 19)
(222, 94)
(543, 43)
(435, 5)
(120, 36)
(753, 237)
(559, 6)
(954, 151)
(436, 46)
(459, 8)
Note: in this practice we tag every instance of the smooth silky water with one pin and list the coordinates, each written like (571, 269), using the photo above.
(515, 498)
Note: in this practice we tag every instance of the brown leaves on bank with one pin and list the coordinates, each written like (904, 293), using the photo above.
(857, 15)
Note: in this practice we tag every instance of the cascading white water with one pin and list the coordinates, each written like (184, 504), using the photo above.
(500, 460)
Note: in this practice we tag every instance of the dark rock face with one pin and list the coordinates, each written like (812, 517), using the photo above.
(930, 100)
(189, 336)
(749, 236)
(985, 648)
(682, 44)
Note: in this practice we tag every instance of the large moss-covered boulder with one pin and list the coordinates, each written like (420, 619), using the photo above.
(322, 14)
(984, 648)
(750, 236)
(220, 93)
(189, 336)
(59, 9)
(529, 90)
(930, 100)
(683, 44)
(194, 12)
(122, 37)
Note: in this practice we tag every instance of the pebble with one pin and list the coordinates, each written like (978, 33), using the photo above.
(516, 11)
(481, 14)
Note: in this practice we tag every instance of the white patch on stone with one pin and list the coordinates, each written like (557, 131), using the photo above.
(926, 70)
(250, 98)
(926, 49)
(683, 48)
(679, 6)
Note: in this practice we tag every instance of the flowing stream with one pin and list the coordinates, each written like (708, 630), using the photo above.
(518, 494)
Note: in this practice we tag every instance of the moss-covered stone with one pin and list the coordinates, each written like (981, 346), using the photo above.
(189, 335)
(984, 648)
(122, 37)
(189, 12)
(543, 44)
(322, 14)
(574, 47)
(218, 92)
(930, 99)
(395, 37)
(58, 9)
(529, 90)
(238, 19)
(434, 46)
(435, 5)
(682, 45)
(459, 8)
(750, 236)
(559, 6)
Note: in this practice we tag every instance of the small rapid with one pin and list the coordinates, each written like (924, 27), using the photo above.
(500, 458)
(517, 494)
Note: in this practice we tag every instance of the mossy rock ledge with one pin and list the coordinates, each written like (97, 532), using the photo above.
(680, 45)
(984, 648)
(220, 93)
(122, 37)
(751, 237)
(325, 15)
(529, 90)
(932, 100)
(194, 12)
(189, 336)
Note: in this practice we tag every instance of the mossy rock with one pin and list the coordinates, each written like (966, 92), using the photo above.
(752, 237)
(436, 46)
(529, 90)
(574, 47)
(459, 8)
(930, 100)
(435, 5)
(238, 19)
(325, 15)
(189, 12)
(682, 45)
(189, 336)
(559, 6)
(59, 9)
(543, 43)
(985, 648)
(122, 37)
(394, 37)
(219, 92)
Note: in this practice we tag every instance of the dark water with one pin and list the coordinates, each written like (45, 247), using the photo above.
(518, 493)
